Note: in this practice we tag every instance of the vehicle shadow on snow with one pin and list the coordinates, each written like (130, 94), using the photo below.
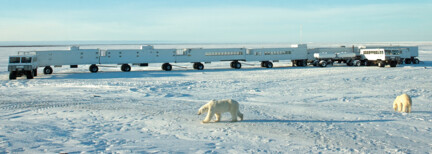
(427, 64)
(314, 121)
(147, 73)
(112, 75)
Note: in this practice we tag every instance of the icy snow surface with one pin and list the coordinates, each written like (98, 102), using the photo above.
(287, 109)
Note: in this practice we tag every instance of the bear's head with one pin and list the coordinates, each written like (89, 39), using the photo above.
(204, 108)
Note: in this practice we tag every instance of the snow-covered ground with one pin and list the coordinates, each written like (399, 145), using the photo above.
(337, 109)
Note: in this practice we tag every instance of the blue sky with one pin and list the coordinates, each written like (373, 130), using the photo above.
(216, 21)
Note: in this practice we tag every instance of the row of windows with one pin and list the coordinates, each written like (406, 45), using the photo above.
(388, 52)
(393, 52)
(373, 52)
(278, 53)
(20, 59)
(222, 53)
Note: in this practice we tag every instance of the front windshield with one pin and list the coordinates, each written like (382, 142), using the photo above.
(26, 60)
(14, 60)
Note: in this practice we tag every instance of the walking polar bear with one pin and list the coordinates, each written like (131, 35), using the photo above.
(217, 107)
(402, 103)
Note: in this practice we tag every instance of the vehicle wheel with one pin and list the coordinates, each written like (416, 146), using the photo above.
(198, 66)
(366, 62)
(48, 70)
(323, 63)
(407, 61)
(264, 64)
(381, 64)
(93, 68)
(315, 63)
(166, 67)
(29, 74)
(300, 63)
(416, 61)
(393, 63)
(349, 62)
(303, 63)
(269, 64)
(126, 68)
(12, 75)
(195, 65)
(35, 72)
(357, 63)
(236, 65)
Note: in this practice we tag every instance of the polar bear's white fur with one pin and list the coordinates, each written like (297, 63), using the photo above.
(402, 103)
(217, 107)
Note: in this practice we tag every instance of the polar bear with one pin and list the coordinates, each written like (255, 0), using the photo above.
(217, 107)
(402, 103)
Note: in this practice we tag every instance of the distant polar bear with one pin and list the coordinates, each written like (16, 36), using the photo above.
(402, 103)
(217, 107)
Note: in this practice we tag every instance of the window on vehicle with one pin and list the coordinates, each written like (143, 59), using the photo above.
(14, 60)
(388, 52)
(26, 60)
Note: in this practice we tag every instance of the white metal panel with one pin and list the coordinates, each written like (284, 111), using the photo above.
(268, 54)
(324, 55)
(407, 51)
(144, 55)
(209, 55)
(373, 54)
(341, 52)
(68, 57)
(119, 56)
(346, 55)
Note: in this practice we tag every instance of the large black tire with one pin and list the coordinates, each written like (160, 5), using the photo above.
(198, 66)
(195, 65)
(48, 70)
(29, 74)
(366, 63)
(350, 62)
(166, 67)
(393, 63)
(93, 68)
(12, 75)
(315, 63)
(35, 72)
(323, 63)
(126, 68)
(236, 65)
(416, 61)
(264, 64)
(304, 63)
(407, 61)
(269, 64)
(300, 63)
(357, 63)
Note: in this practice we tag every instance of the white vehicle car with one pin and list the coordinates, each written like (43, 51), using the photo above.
(22, 65)
(380, 57)
(26, 64)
